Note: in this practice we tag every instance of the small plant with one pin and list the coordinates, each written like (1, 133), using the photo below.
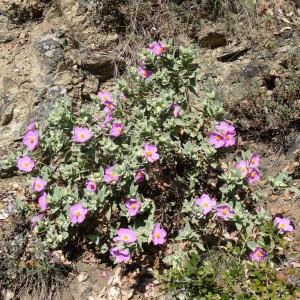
(141, 167)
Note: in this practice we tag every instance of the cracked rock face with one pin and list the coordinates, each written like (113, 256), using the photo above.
(21, 11)
(63, 53)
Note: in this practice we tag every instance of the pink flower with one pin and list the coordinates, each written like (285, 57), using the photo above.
(254, 161)
(108, 119)
(150, 152)
(117, 129)
(206, 203)
(216, 139)
(91, 186)
(224, 127)
(125, 235)
(109, 106)
(157, 48)
(31, 139)
(35, 219)
(229, 139)
(175, 108)
(223, 136)
(42, 201)
(104, 96)
(81, 134)
(38, 184)
(25, 164)
(110, 175)
(139, 176)
(31, 127)
(243, 167)
(258, 254)
(143, 72)
(253, 175)
(224, 212)
(77, 213)
(120, 255)
(158, 235)
(133, 206)
(283, 224)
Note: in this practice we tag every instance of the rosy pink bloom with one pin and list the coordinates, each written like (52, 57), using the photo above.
(121, 255)
(157, 48)
(110, 175)
(25, 164)
(35, 219)
(253, 175)
(254, 161)
(81, 134)
(38, 184)
(91, 186)
(224, 127)
(109, 106)
(150, 152)
(31, 127)
(216, 140)
(108, 119)
(223, 136)
(139, 176)
(77, 213)
(175, 109)
(258, 254)
(31, 139)
(117, 129)
(42, 201)
(104, 96)
(283, 224)
(224, 212)
(125, 235)
(158, 235)
(143, 72)
(133, 206)
(243, 167)
(206, 203)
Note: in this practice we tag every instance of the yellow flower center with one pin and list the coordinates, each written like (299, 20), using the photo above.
(281, 225)
(225, 212)
(243, 169)
(78, 213)
(252, 161)
(252, 174)
(227, 137)
(31, 139)
(133, 205)
(157, 235)
(205, 204)
(218, 138)
(259, 253)
(82, 135)
(148, 153)
(25, 164)
(37, 186)
(125, 237)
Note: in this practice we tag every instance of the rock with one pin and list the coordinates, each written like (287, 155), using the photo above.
(49, 52)
(20, 11)
(79, 18)
(213, 40)
(233, 55)
(98, 64)
(6, 114)
(90, 86)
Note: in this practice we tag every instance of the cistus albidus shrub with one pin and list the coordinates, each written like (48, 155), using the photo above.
(132, 169)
